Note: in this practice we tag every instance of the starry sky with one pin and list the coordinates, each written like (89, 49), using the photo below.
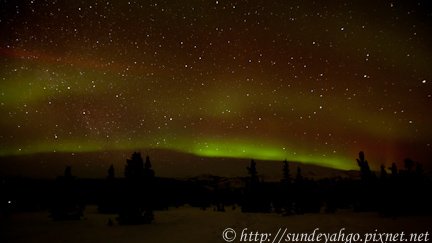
(309, 81)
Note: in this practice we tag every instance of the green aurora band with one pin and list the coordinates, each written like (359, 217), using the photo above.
(225, 149)
(312, 82)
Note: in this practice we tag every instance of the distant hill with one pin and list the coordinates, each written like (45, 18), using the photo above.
(166, 163)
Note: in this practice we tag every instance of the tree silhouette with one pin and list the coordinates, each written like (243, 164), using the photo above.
(367, 186)
(253, 172)
(137, 207)
(365, 171)
(68, 172)
(109, 196)
(66, 203)
(409, 165)
(286, 178)
(134, 168)
(111, 173)
(255, 198)
(148, 171)
(299, 176)
(283, 201)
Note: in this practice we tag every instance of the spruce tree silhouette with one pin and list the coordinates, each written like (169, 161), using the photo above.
(109, 194)
(409, 165)
(137, 207)
(111, 174)
(68, 172)
(286, 178)
(284, 200)
(134, 168)
(255, 199)
(299, 193)
(66, 204)
(299, 177)
(148, 171)
(365, 171)
(368, 186)
(253, 173)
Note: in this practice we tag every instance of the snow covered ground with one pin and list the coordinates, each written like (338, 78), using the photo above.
(187, 224)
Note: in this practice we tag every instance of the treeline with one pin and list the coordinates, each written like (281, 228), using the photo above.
(134, 196)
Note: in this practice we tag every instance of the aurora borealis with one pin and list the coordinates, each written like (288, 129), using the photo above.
(310, 81)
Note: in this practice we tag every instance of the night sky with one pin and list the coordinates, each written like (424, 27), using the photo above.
(309, 81)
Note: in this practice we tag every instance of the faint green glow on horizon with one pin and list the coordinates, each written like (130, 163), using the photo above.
(222, 149)
(267, 152)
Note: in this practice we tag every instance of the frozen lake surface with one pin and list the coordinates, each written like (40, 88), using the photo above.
(187, 224)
